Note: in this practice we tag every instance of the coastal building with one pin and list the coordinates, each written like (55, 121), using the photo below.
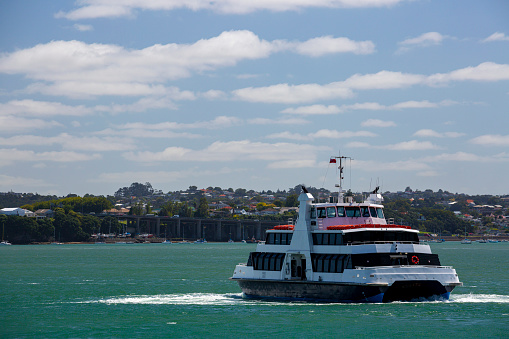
(44, 213)
(13, 211)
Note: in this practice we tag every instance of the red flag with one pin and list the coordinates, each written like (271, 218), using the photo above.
(332, 161)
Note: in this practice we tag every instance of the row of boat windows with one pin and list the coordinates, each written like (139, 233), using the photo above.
(348, 211)
(278, 238)
(388, 259)
(331, 263)
(363, 237)
(337, 263)
(266, 261)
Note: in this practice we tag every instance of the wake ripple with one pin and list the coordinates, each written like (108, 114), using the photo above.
(479, 298)
(212, 299)
(174, 299)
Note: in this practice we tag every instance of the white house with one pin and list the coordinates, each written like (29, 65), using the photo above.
(13, 211)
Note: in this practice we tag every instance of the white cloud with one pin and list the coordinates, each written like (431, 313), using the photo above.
(69, 142)
(77, 69)
(435, 134)
(497, 36)
(231, 151)
(11, 156)
(425, 39)
(377, 123)
(486, 71)
(291, 94)
(313, 110)
(35, 108)
(13, 124)
(7, 182)
(368, 106)
(323, 133)
(329, 45)
(396, 166)
(412, 145)
(281, 121)
(492, 140)
(91, 9)
(83, 28)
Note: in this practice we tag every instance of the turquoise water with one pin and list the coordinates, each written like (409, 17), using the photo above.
(182, 290)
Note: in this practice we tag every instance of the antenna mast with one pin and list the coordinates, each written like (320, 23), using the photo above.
(340, 167)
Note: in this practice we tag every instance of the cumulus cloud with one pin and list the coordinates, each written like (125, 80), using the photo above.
(15, 124)
(91, 9)
(423, 40)
(486, 71)
(77, 69)
(323, 133)
(412, 145)
(313, 110)
(434, 134)
(329, 45)
(231, 151)
(366, 106)
(291, 94)
(69, 142)
(492, 140)
(33, 108)
(497, 36)
(83, 28)
(13, 155)
(377, 123)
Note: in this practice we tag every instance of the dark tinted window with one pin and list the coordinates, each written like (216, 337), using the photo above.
(267, 261)
(352, 212)
(331, 263)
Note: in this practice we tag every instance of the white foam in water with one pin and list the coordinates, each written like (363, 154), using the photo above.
(479, 298)
(175, 299)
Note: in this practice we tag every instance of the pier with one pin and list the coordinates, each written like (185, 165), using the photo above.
(220, 230)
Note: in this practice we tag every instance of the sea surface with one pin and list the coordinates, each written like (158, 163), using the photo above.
(183, 291)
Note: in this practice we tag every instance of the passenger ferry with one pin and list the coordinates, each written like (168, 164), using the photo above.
(343, 251)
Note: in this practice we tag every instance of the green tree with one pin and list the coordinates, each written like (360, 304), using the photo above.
(292, 200)
(203, 208)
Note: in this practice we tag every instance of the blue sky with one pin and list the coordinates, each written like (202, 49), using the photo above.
(97, 94)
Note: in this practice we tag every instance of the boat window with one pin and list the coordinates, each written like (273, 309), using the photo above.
(380, 213)
(331, 212)
(352, 212)
(313, 213)
(341, 211)
(331, 263)
(267, 261)
(321, 212)
(365, 211)
(277, 238)
(326, 263)
(372, 211)
(327, 238)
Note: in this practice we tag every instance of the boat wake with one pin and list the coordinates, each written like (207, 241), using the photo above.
(173, 299)
(213, 299)
(479, 298)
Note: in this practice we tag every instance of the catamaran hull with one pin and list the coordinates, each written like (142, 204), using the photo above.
(344, 292)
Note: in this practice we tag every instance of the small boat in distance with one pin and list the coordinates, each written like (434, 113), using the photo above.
(344, 251)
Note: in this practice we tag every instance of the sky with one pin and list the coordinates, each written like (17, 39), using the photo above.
(98, 94)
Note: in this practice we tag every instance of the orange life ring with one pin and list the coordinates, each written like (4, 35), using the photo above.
(415, 260)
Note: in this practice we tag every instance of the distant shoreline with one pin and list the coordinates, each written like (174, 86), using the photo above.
(161, 240)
